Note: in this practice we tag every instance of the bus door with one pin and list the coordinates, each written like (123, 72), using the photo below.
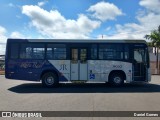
(139, 64)
(79, 63)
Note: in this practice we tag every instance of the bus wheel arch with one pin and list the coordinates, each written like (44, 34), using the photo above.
(117, 77)
(49, 78)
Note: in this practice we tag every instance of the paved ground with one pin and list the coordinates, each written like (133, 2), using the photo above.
(27, 96)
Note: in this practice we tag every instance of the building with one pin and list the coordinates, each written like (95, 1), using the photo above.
(153, 60)
(2, 60)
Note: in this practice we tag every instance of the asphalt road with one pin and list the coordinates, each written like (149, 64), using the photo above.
(31, 96)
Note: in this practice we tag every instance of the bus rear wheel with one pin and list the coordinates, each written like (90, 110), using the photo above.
(49, 79)
(116, 79)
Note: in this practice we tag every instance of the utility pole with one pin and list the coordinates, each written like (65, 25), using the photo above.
(157, 62)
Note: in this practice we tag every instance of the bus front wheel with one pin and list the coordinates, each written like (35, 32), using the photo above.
(116, 79)
(49, 79)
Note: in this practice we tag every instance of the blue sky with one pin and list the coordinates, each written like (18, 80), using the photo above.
(114, 19)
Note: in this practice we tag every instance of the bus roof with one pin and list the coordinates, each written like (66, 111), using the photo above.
(80, 40)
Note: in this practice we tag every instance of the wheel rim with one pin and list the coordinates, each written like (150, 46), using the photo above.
(117, 80)
(49, 80)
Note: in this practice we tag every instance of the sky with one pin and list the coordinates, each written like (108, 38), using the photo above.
(83, 19)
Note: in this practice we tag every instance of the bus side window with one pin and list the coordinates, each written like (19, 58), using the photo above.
(126, 52)
(56, 51)
(14, 51)
(32, 51)
(94, 52)
(138, 55)
(111, 51)
(49, 53)
(38, 52)
(74, 56)
(83, 55)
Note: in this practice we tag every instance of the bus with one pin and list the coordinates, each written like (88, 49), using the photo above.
(52, 61)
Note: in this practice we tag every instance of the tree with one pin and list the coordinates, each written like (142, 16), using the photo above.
(155, 40)
(149, 44)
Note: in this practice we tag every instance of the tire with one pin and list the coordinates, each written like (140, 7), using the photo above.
(49, 80)
(116, 79)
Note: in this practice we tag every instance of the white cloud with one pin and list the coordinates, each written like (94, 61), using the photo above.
(2, 49)
(54, 25)
(11, 5)
(3, 40)
(3, 37)
(105, 11)
(108, 28)
(151, 5)
(16, 34)
(41, 3)
(18, 16)
(147, 21)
